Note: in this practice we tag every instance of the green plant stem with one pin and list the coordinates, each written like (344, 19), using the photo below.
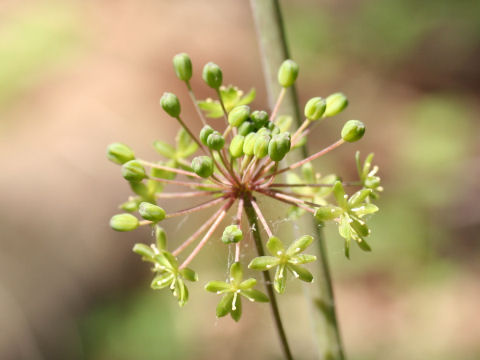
(252, 220)
(274, 50)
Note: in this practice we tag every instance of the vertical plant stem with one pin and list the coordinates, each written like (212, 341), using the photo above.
(274, 50)
(252, 220)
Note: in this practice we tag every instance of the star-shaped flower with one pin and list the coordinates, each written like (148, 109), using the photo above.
(286, 261)
(231, 301)
(166, 267)
(348, 214)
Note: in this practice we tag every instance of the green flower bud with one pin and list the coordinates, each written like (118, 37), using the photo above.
(215, 141)
(119, 153)
(212, 75)
(249, 144)
(205, 133)
(335, 104)
(232, 234)
(133, 171)
(130, 206)
(238, 115)
(246, 128)
(124, 222)
(203, 166)
(160, 238)
(170, 104)
(259, 119)
(315, 108)
(236, 146)
(279, 146)
(264, 131)
(260, 149)
(353, 130)
(183, 66)
(151, 212)
(287, 74)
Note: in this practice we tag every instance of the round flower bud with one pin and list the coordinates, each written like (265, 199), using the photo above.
(260, 149)
(205, 133)
(249, 144)
(133, 171)
(215, 141)
(170, 104)
(287, 74)
(335, 104)
(315, 108)
(279, 146)
(238, 115)
(151, 212)
(353, 130)
(124, 222)
(236, 146)
(328, 212)
(232, 234)
(183, 66)
(259, 118)
(203, 166)
(119, 153)
(212, 75)
(246, 128)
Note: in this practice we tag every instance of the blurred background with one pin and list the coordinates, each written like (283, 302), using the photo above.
(77, 75)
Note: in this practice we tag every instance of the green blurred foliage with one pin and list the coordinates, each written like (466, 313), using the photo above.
(33, 40)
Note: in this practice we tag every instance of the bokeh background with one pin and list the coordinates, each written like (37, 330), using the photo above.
(77, 75)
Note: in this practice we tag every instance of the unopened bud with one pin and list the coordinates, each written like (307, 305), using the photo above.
(236, 146)
(259, 118)
(212, 75)
(170, 104)
(183, 66)
(279, 146)
(215, 141)
(133, 171)
(119, 153)
(205, 133)
(238, 115)
(246, 128)
(315, 108)
(203, 166)
(287, 73)
(249, 144)
(353, 130)
(260, 149)
(232, 234)
(124, 222)
(335, 104)
(151, 212)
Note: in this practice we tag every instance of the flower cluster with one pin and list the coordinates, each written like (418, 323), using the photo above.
(233, 167)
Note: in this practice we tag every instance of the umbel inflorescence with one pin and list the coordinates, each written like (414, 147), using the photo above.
(233, 167)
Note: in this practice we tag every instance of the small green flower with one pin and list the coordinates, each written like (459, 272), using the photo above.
(177, 155)
(165, 266)
(348, 214)
(231, 96)
(285, 261)
(367, 174)
(231, 301)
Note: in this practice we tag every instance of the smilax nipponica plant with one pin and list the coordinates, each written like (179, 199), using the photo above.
(235, 160)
